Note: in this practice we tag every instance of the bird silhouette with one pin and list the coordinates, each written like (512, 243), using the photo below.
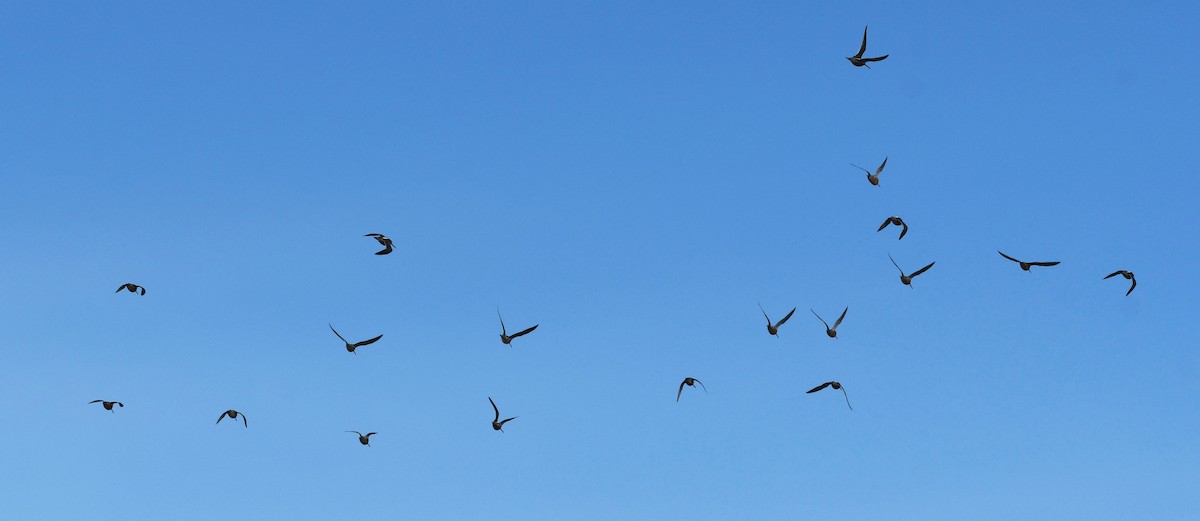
(505, 337)
(351, 347)
(907, 279)
(1128, 276)
(691, 382)
(858, 59)
(896, 221)
(386, 242)
(107, 405)
(832, 332)
(365, 440)
(835, 385)
(133, 288)
(873, 179)
(233, 415)
(1025, 265)
(773, 329)
(498, 425)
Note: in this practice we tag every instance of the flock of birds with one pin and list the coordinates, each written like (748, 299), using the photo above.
(772, 327)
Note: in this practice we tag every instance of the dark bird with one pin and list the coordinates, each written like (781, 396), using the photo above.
(107, 405)
(1128, 276)
(505, 337)
(1025, 265)
(774, 329)
(233, 415)
(133, 288)
(835, 385)
(498, 425)
(365, 440)
(351, 347)
(895, 221)
(858, 59)
(386, 242)
(832, 332)
(691, 382)
(907, 279)
(874, 179)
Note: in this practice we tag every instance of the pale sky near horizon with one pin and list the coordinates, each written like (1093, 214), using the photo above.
(635, 177)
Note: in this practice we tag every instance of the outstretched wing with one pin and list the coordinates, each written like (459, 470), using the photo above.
(1131, 286)
(246, 423)
(847, 398)
(680, 393)
(819, 318)
(785, 319)
(819, 387)
(1007, 257)
(904, 230)
(515, 335)
(881, 165)
(119, 404)
(222, 416)
(141, 290)
(861, 168)
(875, 59)
(862, 48)
(369, 434)
(94, 401)
(339, 335)
(923, 270)
(494, 408)
(701, 385)
(1044, 263)
(502, 330)
(896, 265)
(764, 312)
(356, 432)
(885, 224)
(838, 322)
(387, 248)
(508, 420)
(1114, 274)
(367, 342)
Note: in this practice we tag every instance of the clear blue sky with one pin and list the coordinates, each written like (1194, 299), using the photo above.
(634, 177)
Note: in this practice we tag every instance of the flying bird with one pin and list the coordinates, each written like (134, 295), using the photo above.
(835, 385)
(505, 337)
(858, 59)
(107, 405)
(1128, 276)
(832, 332)
(498, 425)
(874, 179)
(365, 440)
(386, 242)
(895, 221)
(691, 382)
(351, 347)
(1025, 265)
(133, 288)
(907, 279)
(233, 415)
(774, 329)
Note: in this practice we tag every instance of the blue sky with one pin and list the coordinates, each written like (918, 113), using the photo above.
(634, 177)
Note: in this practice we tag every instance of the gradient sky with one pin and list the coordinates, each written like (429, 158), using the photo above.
(634, 177)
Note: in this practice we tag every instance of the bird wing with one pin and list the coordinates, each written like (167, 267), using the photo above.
(94, 401)
(387, 248)
(885, 224)
(861, 168)
(356, 432)
(119, 404)
(785, 318)
(508, 420)
(838, 322)
(862, 48)
(922, 270)
(764, 312)
(881, 165)
(372, 235)
(1044, 263)
(339, 335)
(369, 434)
(904, 230)
(222, 416)
(875, 59)
(1007, 257)
(896, 265)
(494, 408)
(246, 423)
(1131, 286)
(1111, 275)
(515, 335)
(819, 318)
(701, 385)
(818, 388)
(367, 342)
(141, 290)
(680, 393)
(847, 398)
(123, 286)
(502, 330)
